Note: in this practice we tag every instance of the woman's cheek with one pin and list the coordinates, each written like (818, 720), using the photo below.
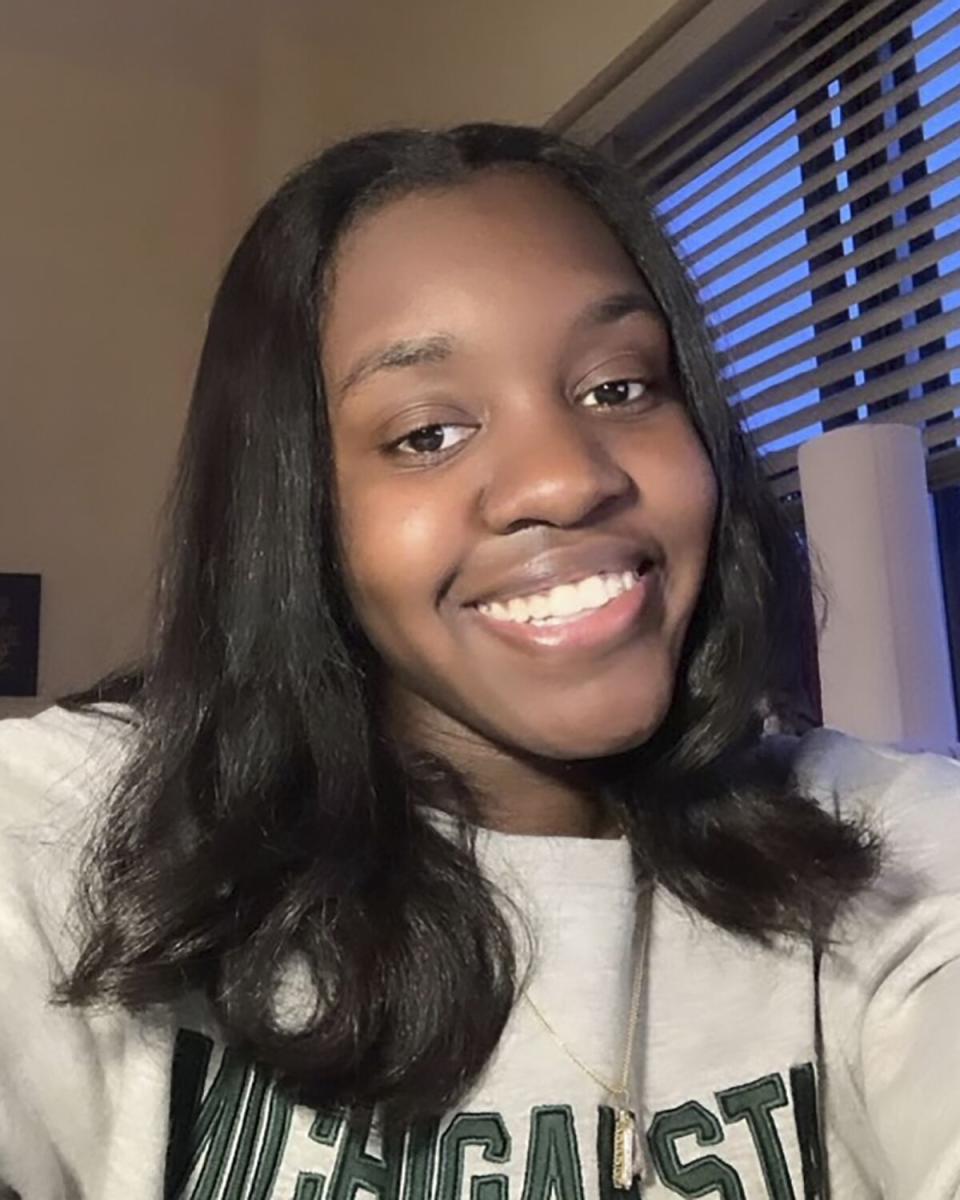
(394, 541)
(692, 487)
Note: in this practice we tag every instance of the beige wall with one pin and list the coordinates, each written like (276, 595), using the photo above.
(132, 154)
(110, 235)
(426, 62)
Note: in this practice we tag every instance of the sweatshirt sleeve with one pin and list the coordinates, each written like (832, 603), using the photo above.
(52, 1085)
(892, 982)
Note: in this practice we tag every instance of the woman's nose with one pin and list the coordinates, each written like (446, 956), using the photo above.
(556, 472)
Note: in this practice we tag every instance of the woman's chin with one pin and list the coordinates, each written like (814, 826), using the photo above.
(576, 741)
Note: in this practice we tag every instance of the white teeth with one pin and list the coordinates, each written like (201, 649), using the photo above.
(563, 601)
(592, 592)
(539, 607)
(613, 585)
(517, 609)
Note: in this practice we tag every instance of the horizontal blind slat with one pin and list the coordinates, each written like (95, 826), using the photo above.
(820, 343)
(917, 411)
(668, 150)
(943, 469)
(836, 369)
(670, 139)
(911, 375)
(786, 484)
(854, 191)
(808, 150)
(816, 212)
(829, 305)
(859, 212)
(764, 121)
(928, 407)
(942, 431)
(891, 240)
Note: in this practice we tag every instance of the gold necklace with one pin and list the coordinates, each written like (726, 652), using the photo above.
(626, 1158)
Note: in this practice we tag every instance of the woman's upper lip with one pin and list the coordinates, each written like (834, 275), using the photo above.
(551, 568)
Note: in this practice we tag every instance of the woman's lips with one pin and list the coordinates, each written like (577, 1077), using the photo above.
(596, 628)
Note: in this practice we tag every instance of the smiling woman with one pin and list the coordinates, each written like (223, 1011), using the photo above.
(438, 837)
(495, 485)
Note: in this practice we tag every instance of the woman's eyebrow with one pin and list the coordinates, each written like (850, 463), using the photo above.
(611, 309)
(405, 352)
(416, 352)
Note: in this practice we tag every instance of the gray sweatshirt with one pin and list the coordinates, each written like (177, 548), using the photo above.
(737, 1097)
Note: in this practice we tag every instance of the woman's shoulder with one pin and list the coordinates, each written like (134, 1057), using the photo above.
(59, 757)
(842, 763)
(61, 1068)
(910, 799)
(56, 769)
(891, 973)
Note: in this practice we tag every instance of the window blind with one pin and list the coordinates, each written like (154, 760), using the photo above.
(815, 194)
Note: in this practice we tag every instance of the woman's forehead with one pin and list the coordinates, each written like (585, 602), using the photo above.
(508, 241)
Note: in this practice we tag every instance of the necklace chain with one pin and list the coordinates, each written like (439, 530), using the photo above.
(622, 1090)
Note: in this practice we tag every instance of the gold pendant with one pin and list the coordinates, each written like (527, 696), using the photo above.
(624, 1148)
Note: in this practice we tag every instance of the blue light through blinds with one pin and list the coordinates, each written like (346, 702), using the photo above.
(817, 202)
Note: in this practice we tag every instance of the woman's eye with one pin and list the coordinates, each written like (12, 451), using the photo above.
(431, 439)
(617, 393)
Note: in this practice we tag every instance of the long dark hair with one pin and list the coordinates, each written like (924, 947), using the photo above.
(263, 819)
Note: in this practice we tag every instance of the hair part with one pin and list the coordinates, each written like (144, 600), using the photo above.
(264, 819)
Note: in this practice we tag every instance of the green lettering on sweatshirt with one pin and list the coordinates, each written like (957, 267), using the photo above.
(309, 1186)
(806, 1118)
(231, 1130)
(606, 1123)
(191, 1060)
(486, 1130)
(702, 1175)
(357, 1168)
(553, 1158)
(253, 1110)
(419, 1160)
(754, 1103)
(324, 1130)
(275, 1137)
(202, 1125)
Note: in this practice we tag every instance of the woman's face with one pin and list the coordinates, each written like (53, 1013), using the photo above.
(525, 507)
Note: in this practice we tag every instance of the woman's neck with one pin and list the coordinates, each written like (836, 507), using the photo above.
(517, 793)
(536, 796)
(544, 806)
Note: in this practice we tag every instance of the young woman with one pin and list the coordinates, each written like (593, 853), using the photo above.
(437, 851)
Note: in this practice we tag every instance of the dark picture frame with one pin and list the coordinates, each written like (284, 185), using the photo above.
(19, 633)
